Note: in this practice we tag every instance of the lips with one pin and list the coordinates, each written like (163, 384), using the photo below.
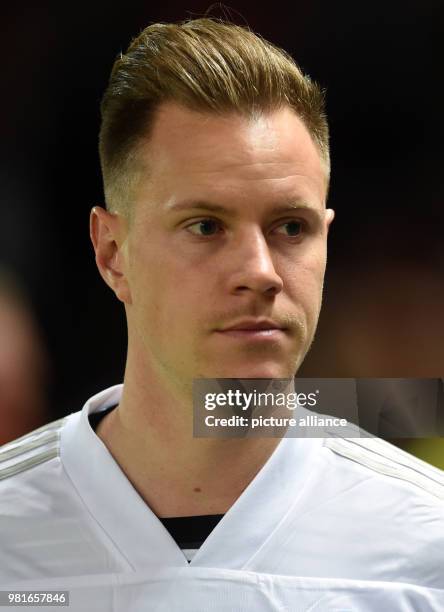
(254, 325)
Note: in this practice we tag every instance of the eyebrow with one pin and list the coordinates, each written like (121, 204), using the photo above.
(292, 206)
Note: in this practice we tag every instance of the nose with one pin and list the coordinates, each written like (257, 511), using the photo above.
(254, 269)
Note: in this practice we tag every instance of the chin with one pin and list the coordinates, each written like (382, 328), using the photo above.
(258, 371)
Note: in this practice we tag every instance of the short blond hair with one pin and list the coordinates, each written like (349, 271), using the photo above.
(205, 65)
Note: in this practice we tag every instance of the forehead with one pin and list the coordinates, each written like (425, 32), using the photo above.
(188, 148)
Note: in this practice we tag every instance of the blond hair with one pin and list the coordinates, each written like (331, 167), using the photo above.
(205, 65)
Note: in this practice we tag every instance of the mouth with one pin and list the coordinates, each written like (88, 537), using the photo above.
(263, 334)
(254, 330)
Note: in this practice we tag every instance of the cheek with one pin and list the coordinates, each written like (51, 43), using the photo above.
(166, 292)
(306, 274)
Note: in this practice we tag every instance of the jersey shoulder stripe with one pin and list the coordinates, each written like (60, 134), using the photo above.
(30, 450)
(385, 458)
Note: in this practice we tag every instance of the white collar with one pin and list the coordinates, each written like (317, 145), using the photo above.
(136, 530)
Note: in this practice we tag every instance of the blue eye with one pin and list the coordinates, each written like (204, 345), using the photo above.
(294, 228)
(206, 227)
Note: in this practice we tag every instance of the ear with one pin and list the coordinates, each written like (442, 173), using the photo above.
(108, 232)
(329, 216)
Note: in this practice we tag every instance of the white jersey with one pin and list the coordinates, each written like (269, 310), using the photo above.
(326, 525)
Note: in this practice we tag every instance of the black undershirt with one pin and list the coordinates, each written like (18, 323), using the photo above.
(187, 531)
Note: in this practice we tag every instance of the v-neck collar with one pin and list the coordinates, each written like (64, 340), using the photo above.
(138, 533)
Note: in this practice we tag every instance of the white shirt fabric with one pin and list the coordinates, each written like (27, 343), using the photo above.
(330, 524)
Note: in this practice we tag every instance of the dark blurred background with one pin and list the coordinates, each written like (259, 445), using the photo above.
(382, 66)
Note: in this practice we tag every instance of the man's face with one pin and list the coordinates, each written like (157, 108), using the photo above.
(229, 229)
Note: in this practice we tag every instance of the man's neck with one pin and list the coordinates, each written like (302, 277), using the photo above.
(176, 474)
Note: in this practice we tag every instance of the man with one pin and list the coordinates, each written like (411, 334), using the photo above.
(214, 152)
(24, 363)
